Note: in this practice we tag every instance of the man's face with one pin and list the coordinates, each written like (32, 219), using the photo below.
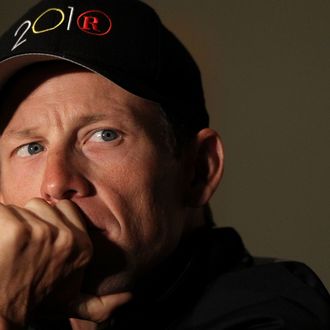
(75, 135)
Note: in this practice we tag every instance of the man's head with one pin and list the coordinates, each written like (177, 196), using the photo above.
(123, 40)
(75, 134)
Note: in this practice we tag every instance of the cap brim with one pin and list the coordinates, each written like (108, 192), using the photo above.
(12, 65)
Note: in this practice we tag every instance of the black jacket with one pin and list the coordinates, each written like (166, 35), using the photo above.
(211, 282)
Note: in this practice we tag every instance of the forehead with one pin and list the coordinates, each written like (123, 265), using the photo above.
(56, 84)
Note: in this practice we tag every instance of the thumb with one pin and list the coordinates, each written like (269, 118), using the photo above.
(97, 308)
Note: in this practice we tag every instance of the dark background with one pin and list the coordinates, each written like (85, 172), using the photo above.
(266, 67)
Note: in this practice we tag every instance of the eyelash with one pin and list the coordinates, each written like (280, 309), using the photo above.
(21, 148)
(98, 131)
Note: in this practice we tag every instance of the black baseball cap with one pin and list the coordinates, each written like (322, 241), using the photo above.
(123, 40)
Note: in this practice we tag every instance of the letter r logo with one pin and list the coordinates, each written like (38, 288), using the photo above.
(90, 24)
(94, 22)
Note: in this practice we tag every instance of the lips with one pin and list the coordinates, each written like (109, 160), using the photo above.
(91, 227)
(91, 224)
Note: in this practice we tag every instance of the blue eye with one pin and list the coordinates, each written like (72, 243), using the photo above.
(30, 149)
(104, 135)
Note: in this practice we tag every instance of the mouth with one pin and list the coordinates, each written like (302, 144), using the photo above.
(91, 225)
(92, 228)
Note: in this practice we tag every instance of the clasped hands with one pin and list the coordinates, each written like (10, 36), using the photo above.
(42, 247)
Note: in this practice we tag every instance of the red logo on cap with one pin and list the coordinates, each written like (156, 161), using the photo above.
(94, 22)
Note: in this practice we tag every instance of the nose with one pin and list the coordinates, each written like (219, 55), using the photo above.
(62, 179)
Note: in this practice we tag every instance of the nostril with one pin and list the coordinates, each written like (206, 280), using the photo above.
(63, 180)
(54, 198)
(69, 194)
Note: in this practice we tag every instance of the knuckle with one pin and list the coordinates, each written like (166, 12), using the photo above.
(66, 240)
(43, 231)
(34, 202)
(85, 257)
(65, 203)
(82, 251)
(18, 234)
(20, 230)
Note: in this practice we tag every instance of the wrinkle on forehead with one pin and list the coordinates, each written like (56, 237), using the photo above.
(26, 83)
(31, 131)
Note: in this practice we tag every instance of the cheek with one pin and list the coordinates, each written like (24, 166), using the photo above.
(19, 183)
(142, 199)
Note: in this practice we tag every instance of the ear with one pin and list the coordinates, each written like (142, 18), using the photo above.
(206, 165)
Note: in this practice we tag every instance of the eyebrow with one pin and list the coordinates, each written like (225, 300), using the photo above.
(31, 131)
(91, 119)
(27, 132)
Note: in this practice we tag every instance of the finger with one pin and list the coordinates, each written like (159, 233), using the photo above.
(62, 215)
(38, 227)
(16, 229)
(98, 309)
(75, 220)
(42, 210)
(8, 213)
(72, 213)
(66, 217)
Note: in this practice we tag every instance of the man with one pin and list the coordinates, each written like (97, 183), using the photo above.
(107, 168)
